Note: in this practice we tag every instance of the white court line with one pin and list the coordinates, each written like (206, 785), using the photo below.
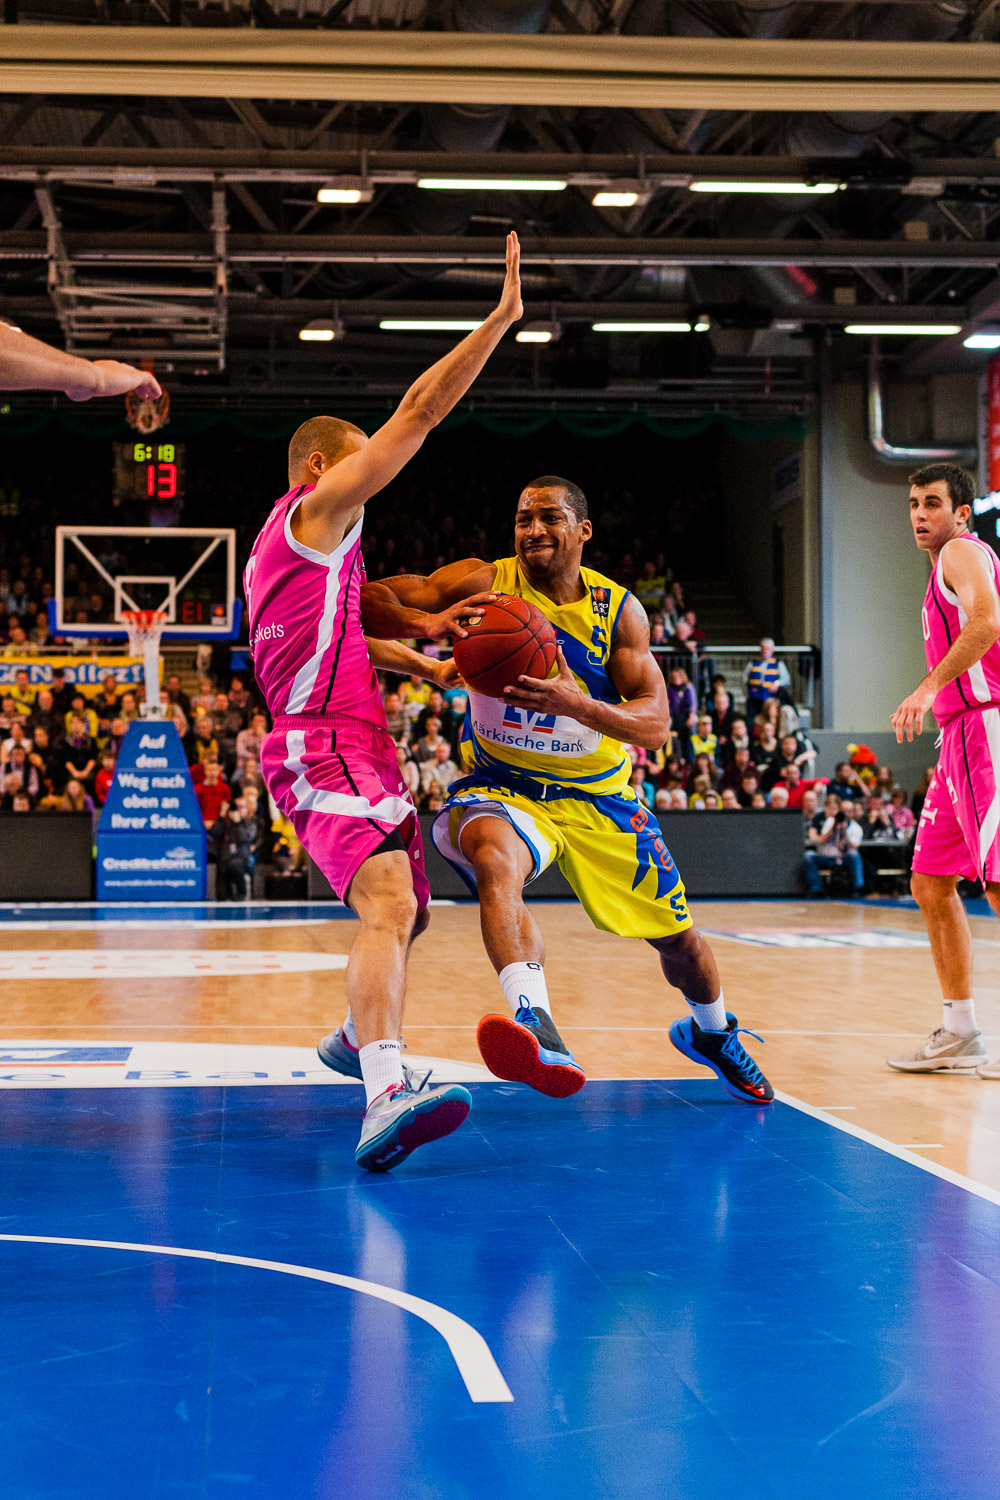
(902, 1153)
(115, 924)
(469, 1349)
(663, 1030)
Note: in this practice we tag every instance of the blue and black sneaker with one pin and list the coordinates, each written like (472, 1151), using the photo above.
(527, 1048)
(725, 1054)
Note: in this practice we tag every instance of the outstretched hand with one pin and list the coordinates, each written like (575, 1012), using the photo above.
(510, 306)
(114, 379)
(551, 695)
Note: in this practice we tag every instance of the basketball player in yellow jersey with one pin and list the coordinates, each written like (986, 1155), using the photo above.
(549, 780)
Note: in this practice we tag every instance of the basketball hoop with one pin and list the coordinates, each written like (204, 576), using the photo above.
(147, 413)
(145, 627)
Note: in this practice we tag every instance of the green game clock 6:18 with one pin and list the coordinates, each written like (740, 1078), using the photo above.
(149, 471)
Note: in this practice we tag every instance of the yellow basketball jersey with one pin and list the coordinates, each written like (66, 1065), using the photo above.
(496, 736)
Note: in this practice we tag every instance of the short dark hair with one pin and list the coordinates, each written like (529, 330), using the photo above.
(326, 435)
(961, 489)
(575, 496)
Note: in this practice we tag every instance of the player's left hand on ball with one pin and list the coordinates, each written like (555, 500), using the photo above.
(909, 716)
(452, 621)
(551, 695)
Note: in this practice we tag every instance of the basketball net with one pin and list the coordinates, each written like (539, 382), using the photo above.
(147, 413)
(145, 627)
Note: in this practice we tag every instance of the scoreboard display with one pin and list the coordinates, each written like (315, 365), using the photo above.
(149, 473)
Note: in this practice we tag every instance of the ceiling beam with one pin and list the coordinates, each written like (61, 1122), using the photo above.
(244, 309)
(281, 249)
(204, 163)
(480, 68)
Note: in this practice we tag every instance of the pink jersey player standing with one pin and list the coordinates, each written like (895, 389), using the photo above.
(959, 829)
(329, 762)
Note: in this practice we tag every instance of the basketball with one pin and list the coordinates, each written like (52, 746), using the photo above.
(511, 638)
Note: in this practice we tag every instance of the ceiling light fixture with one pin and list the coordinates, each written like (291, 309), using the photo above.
(538, 333)
(430, 325)
(933, 330)
(982, 341)
(705, 185)
(346, 190)
(321, 331)
(493, 184)
(609, 198)
(626, 193)
(641, 327)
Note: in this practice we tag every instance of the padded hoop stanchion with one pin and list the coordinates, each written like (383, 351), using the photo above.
(145, 627)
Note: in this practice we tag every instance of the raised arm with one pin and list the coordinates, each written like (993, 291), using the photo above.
(426, 608)
(643, 718)
(968, 572)
(26, 364)
(340, 492)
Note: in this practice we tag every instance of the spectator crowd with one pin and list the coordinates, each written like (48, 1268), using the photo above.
(733, 745)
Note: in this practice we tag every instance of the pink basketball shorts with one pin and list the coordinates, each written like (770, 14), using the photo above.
(957, 832)
(337, 782)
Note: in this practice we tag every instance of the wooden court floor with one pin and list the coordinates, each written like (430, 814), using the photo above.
(833, 988)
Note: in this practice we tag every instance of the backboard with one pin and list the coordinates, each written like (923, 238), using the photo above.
(187, 571)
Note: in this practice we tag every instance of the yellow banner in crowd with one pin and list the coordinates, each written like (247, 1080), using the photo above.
(86, 674)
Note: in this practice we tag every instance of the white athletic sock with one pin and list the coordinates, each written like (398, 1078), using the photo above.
(524, 984)
(710, 1017)
(959, 1016)
(381, 1067)
(347, 1030)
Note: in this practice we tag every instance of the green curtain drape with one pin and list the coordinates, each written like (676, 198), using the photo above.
(270, 426)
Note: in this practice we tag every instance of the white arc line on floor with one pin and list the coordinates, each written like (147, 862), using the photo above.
(469, 1349)
(902, 1152)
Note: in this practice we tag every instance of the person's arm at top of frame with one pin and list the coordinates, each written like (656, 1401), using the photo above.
(341, 490)
(26, 364)
(642, 719)
(431, 607)
(968, 572)
(393, 656)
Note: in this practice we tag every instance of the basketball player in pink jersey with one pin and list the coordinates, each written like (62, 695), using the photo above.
(329, 762)
(959, 829)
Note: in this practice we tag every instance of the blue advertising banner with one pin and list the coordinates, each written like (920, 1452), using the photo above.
(151, 837)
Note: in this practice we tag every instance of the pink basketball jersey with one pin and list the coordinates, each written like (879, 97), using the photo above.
(304, 611)
(943, 618)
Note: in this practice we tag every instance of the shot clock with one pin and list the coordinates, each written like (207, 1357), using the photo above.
(149, 474)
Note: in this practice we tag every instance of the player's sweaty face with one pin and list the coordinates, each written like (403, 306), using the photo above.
(547, 534)
(933, 520)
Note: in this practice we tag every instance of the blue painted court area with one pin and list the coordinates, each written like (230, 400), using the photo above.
(687, 1298)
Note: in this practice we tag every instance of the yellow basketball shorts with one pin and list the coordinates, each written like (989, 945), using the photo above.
(609, 848)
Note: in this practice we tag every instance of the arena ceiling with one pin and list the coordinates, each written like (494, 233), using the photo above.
(161, 160)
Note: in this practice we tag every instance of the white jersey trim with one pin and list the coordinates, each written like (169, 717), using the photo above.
(310, 553)
(976, 675)
(305, 678)
(394, 810)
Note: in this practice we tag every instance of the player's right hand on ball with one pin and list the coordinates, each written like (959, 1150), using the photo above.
(452, 621)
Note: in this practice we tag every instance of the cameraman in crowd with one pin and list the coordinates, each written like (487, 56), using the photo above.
(835, 847)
